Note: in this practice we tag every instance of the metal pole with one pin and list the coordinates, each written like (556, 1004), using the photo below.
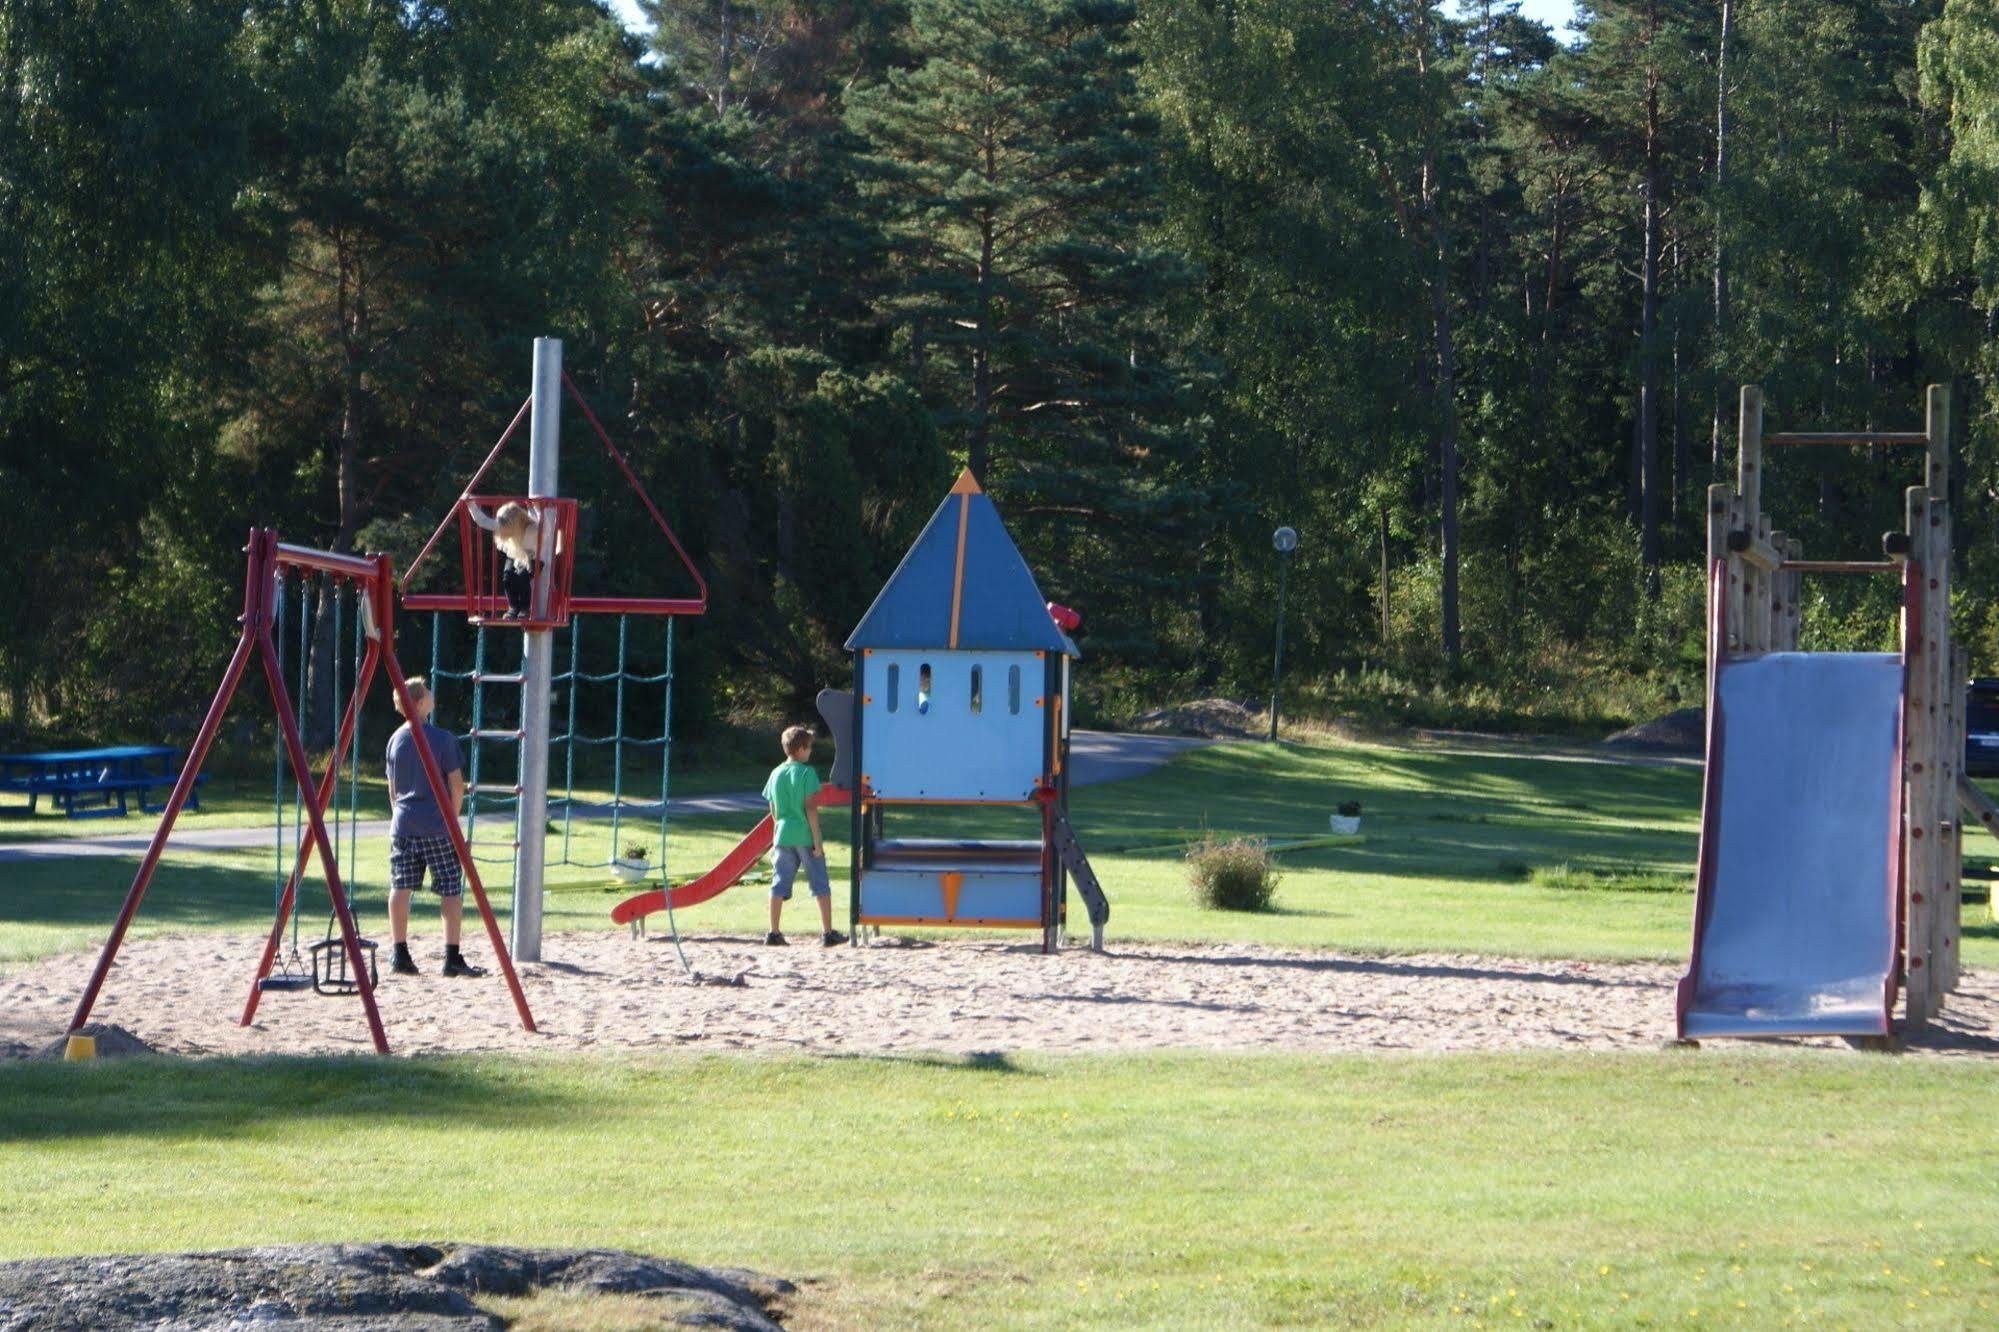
(1277, 661)
(537, 663)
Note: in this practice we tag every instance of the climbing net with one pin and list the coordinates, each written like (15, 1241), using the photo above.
(637, 755)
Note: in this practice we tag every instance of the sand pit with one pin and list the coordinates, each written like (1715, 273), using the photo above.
(604, 990)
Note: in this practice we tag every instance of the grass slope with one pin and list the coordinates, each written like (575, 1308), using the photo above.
(1732, 1189)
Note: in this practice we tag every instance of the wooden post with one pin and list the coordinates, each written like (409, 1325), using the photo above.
(1952, 911)
(1794, 599)
(1739, 586)
(1749, 446)
(1936, 424)
(1922, 843)
(1748, 585)
(1953, 668)
(1766, 592)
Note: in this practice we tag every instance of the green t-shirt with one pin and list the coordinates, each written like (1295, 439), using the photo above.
(791, 784)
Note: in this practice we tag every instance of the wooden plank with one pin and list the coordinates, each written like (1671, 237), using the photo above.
(1953, 905)
(1757, 551)
(1921, 817)
(1765, 585)
(1971, 798)
(1920, 763)
(1943, 777)
(1797, 437)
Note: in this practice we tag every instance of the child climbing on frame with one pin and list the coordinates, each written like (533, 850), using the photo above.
(516, 530)
(795, 837)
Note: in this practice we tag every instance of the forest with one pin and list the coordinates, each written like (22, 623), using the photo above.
(1464, 300)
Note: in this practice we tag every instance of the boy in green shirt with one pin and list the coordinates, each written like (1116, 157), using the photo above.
(795, 836)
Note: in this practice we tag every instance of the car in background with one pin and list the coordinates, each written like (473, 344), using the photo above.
(1981, 728)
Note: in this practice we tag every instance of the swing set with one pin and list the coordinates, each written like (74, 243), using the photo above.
(331, 587)
(343, 965)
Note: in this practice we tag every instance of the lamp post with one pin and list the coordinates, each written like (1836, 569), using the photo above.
(1284, 540)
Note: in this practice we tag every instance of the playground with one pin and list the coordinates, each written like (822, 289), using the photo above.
(1510, 918)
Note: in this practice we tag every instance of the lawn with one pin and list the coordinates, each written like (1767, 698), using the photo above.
(1725, 1188)
(1510, 853)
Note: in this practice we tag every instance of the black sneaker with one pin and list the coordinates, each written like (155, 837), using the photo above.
(456, 965)
(404, 964)
(832, 938)
(775, 939)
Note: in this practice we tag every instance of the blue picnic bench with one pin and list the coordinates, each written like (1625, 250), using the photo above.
(96, 783)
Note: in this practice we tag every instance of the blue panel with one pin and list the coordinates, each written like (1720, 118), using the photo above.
(982, 895)
(1000, 896)
(999, 606)
(941, 749)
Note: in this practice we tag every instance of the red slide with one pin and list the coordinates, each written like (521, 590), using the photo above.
(724, 876)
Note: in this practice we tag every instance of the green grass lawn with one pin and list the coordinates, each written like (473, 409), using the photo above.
(1734, 1189)
(1517, 854)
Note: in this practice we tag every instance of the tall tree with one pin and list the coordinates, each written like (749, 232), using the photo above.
(1018, 168)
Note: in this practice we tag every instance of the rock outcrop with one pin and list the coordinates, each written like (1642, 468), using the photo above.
(362, 1288)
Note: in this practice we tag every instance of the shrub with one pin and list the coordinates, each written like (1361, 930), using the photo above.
(1234, 875)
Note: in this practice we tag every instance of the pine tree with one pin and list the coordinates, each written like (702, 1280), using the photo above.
(1017, 166)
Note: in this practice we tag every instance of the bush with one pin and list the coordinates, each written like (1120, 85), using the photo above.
(1234, 875)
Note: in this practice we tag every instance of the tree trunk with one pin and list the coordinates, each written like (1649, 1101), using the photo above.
(725, 54)
(1447, 422)
(978, 437)
(1720, 402)
(1648, 359)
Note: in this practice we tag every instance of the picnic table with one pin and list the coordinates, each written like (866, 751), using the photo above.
(95, 783)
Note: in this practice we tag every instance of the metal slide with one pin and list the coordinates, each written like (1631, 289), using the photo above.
(1796, 905)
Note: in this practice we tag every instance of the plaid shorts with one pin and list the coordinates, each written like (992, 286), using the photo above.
(410, 856)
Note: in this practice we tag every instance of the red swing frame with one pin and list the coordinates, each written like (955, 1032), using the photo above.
(373, 575)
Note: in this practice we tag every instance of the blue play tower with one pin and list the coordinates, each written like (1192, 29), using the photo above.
(962, 676)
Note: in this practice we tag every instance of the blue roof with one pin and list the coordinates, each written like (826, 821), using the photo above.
(962, 585)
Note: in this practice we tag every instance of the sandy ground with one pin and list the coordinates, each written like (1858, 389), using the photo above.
(605, 990)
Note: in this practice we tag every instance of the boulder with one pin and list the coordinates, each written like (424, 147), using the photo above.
(362, 1288)
(1681, 731)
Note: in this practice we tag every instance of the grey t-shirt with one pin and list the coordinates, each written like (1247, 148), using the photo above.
(416, 814)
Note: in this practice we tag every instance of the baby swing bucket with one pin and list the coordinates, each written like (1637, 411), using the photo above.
(330, 972)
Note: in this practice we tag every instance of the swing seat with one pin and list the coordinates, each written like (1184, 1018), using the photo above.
(330, 973)
(285, 982)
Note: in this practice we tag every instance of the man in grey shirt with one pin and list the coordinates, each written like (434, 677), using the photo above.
(419, 839)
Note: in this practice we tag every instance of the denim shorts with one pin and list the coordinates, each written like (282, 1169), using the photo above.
(785, 868)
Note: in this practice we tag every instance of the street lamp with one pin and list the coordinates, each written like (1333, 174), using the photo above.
(1284, 540)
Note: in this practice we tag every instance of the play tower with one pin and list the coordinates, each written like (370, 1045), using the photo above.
(1829, 868)
(961, 675)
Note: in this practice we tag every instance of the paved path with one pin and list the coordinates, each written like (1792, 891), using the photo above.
(1095, 756)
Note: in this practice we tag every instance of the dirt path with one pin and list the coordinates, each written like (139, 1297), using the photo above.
(958, 995)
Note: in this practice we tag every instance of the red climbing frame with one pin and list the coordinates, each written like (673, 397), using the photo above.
(472, 601)
(374, 577)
